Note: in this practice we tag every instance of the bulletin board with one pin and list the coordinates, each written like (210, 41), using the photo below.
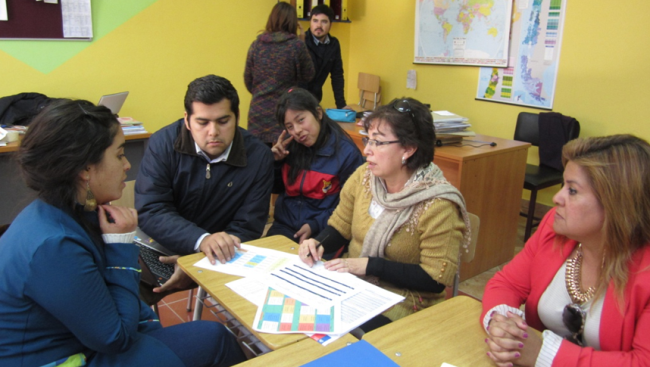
(31, 19)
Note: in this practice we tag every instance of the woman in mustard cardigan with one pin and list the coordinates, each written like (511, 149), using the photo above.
(400, 222)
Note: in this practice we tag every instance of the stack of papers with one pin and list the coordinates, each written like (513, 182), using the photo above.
(131, 126)
(294, 298)
(450, 123)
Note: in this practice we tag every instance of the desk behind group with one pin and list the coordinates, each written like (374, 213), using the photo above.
(16, 196)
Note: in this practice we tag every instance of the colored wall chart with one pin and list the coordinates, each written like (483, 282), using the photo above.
(282, 314)
(535, 41)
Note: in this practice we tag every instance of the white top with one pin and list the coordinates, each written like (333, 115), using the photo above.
(552, 303)
(550, 308)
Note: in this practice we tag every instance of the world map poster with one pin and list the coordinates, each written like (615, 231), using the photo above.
(530, 78)
(462, 32)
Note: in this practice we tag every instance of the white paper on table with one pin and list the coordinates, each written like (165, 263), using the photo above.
(444, 113)
(447, 365)
(77, 19)
(254, 290)
(3, 10)
(251, 288)
(253, 260)
(316, 285)
(365, 305)
(358, 300)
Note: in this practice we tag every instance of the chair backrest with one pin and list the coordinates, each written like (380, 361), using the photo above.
(369, 99)
(128, 196)
(369, 89)
(527, 128)
(550, 132)
(467, 256)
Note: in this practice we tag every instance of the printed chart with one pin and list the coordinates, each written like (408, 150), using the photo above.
(283, 314)
(250, 260)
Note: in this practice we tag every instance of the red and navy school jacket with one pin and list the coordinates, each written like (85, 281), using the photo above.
(315, 194)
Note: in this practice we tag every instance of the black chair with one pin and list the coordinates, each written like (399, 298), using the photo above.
(542, 176)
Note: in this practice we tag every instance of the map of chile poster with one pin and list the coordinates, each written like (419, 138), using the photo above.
(283, 314)
(535, 42)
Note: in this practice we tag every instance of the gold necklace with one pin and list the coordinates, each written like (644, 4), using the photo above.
(573, 279)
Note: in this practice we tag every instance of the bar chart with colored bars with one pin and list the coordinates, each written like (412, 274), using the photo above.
(284, 314)
(252, 262)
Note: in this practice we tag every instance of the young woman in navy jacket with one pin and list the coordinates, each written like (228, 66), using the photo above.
(312, 165)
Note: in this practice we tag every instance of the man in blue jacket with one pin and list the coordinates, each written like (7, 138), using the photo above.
(325, 52)
(204, 182)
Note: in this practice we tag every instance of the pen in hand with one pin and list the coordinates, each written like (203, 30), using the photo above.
(319, 244)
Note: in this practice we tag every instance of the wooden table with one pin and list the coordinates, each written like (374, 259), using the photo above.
(491, 180)
(16, 196)
(244, 311)
(447, 332)
(298, 353)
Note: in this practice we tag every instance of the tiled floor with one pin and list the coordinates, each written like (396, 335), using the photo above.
(173, 308)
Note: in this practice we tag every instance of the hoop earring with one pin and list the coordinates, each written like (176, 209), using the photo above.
(403, 161)
(91, 203)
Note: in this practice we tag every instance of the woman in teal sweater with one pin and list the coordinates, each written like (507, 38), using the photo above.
(68, 267)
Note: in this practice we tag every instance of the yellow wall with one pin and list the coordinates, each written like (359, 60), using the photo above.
(154, 55)
(603, 73)
(602, 77)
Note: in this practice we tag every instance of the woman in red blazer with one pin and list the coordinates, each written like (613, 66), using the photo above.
(584, 276)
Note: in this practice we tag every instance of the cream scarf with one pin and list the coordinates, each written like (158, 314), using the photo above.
(427, 183)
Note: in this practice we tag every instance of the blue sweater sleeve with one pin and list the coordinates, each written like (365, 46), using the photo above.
(102, 311)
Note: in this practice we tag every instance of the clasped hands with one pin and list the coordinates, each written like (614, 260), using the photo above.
(511, 341)
(310, 252)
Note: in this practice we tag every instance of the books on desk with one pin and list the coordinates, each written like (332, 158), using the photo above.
(446, 122)
(131, 126)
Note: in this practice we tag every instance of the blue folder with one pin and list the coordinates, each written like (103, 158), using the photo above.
(357, 354)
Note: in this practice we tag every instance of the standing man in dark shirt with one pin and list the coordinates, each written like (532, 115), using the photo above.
(325, 52)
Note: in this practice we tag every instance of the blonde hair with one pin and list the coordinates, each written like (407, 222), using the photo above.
(618, 167)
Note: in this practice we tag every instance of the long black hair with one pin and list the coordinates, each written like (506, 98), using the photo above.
(301, 157)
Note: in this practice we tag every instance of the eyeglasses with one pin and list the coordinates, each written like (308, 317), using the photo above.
(574, 319)
(376, 143)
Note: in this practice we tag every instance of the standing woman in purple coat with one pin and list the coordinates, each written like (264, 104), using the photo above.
(276, 61)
